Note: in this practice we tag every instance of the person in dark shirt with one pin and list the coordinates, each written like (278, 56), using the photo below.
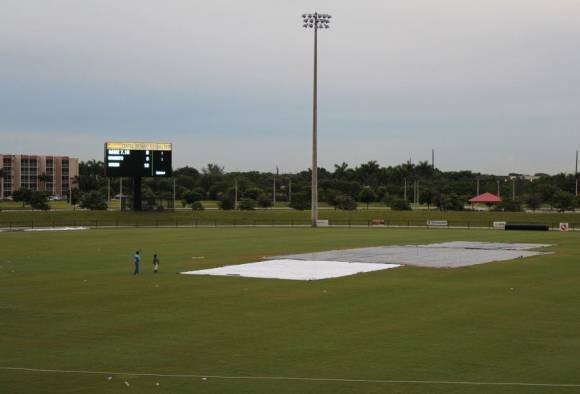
(155, 263)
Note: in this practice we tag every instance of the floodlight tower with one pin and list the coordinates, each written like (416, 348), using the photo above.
(576, 174)
(315, 21)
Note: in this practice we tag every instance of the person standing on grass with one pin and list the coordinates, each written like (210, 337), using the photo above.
(155, 263)
(137, 261)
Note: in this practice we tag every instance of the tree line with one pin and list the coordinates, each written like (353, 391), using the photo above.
(342, 187)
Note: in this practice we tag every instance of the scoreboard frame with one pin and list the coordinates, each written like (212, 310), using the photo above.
(138, 159)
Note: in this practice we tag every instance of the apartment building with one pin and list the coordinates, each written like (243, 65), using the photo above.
(52, 174)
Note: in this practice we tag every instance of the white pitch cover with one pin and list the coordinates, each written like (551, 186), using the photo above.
(294, 269)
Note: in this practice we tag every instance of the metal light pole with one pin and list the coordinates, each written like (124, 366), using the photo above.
(433, 159)
(315, 21)
(274, 189)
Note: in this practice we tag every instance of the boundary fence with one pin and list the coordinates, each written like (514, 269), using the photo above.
(15, 225)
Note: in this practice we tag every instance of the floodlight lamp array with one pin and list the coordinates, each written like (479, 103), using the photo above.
(316, 21)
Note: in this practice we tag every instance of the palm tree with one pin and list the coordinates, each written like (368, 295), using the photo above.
(42, 179)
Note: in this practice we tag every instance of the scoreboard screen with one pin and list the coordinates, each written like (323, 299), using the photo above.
(137, 159)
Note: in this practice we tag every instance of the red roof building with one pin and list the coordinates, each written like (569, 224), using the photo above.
(486, 198)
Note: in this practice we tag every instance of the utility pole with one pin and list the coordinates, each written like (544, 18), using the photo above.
(477, 194)
(315, 21)
(109, 191)
(290, 190)
(498, 189)
(405, 190)
(433, 159)
(513, 188)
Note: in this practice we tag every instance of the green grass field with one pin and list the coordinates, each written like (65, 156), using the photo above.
(68, 301)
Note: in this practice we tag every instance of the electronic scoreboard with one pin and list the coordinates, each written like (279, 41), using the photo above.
(137, 159)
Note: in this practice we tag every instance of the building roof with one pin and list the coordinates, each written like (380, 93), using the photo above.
(486, 198)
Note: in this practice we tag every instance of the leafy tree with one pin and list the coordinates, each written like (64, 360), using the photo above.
(346, 203)
(264, 201)
(330, 196)
(75, 196)
(254, 193)
(564, 201)
(247, 204)
(387, 199)
(201, 191)
(427, 196)
(93, 201)
(450, 202)
(533, 201)
(399, 204)
(39, 200)
(149, 198)
(22, 195)
(300, 201)
(190, 197)
(367, 196)
(547, 191)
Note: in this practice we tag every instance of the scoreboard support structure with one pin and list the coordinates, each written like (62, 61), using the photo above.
(138, 160)
(137, 205)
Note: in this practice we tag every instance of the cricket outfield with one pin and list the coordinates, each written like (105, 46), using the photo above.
(68, 302)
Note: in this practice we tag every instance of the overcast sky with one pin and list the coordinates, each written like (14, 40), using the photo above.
(492, 86)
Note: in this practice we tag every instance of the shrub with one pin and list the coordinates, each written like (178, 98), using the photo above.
(533, 201)
(93, 201)
(399, 204)
(247, 204)
(367, 196)
(510, 206)
(264, 201)
(450, 202)
(254, 193)
(191, 196)
(39, 200)
(346, 203)
(197, 206)
(226, 203)
(564, 201)
(300, 201)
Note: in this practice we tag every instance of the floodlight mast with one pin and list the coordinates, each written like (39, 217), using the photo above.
(315, 21)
